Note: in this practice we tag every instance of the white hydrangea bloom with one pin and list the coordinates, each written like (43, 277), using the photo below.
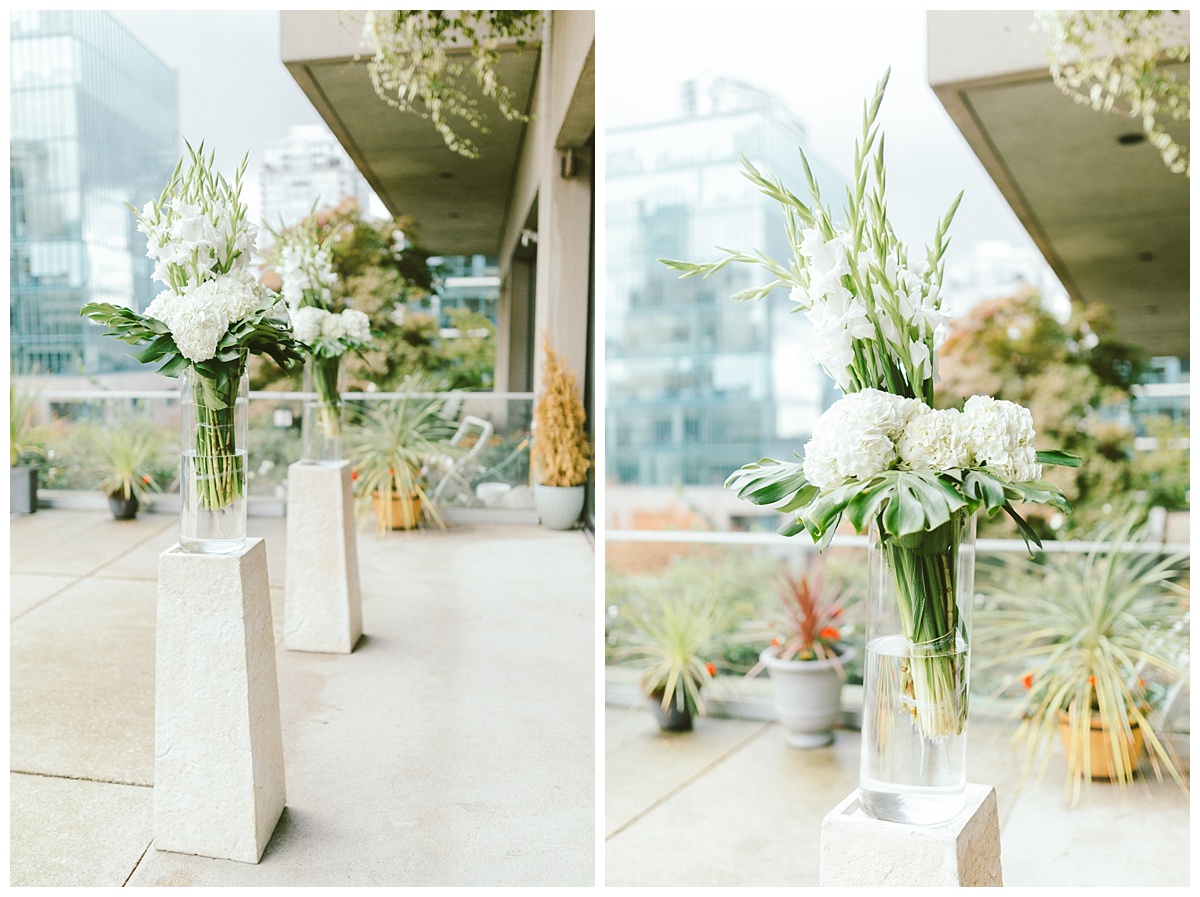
(306, 323)
(935, 440)
(333, 327)
(856, 437)
(235, 295)
(358, 325)
(196, 324)
(1001, 438)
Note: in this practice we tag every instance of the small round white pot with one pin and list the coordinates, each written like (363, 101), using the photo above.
(808, 696)
(558, 507)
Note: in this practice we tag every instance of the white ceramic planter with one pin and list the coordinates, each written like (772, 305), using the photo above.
(558, 507)
(808, 696)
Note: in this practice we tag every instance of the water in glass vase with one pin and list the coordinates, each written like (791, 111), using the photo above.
(914, 734)
(212, 503)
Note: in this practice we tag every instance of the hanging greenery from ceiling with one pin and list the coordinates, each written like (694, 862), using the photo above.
(1113, 61)
(414, 71)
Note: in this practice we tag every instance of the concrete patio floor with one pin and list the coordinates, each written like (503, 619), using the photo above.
(454, 746)
(731, 804)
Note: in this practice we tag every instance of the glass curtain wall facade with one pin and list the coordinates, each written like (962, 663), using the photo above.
(697, 383)
(92, 127)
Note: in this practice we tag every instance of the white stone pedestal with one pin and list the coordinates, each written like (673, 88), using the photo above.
(218, 744)
(858, 850)
(322, 609)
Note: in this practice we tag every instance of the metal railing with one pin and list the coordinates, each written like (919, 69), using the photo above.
(495, 479)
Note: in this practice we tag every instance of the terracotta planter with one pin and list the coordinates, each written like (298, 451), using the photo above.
(1101, 768)
(406, 512)
(808, 696)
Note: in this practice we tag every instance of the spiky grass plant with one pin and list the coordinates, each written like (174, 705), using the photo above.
(675, 636)
(391, 446)
(128, 457)
(1085, 636)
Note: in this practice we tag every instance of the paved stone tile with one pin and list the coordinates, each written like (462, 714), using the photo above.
(71, 833)
(456, 745)
(65, 542)
(82, 683)
(644, 765)
(754, 818)
(27, 590)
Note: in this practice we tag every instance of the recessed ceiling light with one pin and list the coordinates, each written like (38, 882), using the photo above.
(1131, 138)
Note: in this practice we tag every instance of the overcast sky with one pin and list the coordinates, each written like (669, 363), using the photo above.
(823, 64)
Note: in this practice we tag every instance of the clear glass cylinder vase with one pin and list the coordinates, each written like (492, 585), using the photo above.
(916, 681)
(322, 422)
(214, 415)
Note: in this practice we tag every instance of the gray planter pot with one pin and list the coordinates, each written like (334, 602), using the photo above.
(22, 495)
(808, 697)
(558, 507)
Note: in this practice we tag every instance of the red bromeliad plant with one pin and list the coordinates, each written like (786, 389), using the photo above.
(808, 622)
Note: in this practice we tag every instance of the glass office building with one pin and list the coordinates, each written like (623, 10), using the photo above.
(697, 383)
(92, 126)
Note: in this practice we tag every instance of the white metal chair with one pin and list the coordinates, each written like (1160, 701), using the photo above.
(456, 470)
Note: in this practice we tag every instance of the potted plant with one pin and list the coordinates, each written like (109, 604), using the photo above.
(806, 656)
(561, 449)
(674, 636)
(1082, 640)
(23, 444)
(392, 448)
(128, 460)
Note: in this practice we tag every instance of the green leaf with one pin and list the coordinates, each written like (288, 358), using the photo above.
(1059, 459)
(866, 502)
(984, 487)
(768, 482)
(1025, 529)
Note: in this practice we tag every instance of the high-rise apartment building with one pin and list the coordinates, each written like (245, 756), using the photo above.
(306, 167)
(92, 127)
(470, 282)
(697, 383)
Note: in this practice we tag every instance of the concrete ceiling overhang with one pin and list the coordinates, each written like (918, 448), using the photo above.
(458, 204)
(1111, 220)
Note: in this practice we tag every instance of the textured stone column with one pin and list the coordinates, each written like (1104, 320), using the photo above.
(322, 608)
(858, 850)
(218, 743)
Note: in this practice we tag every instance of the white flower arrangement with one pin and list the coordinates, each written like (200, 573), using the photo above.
(213, 311)
(212, 315)
(306, 273)
(1109, 59)
(412, 71)
(326, 334)
(877, 320)
(867, 433)
(882, 455)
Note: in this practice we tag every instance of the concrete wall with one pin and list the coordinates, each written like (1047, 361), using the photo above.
(552, 195)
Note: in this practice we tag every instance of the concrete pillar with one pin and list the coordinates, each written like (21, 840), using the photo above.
(322, 608)
(858, 850)
(218, 743)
